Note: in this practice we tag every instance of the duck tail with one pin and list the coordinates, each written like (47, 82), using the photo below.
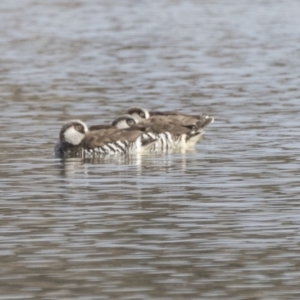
(203, 122)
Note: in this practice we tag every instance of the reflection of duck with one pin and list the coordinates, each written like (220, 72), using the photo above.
(77, 140)
(184, 130)
(138, 164)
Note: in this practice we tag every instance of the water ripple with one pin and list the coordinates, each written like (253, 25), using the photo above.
(217, 222)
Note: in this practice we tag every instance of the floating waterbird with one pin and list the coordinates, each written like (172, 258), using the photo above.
(183, 130)
(77, 140)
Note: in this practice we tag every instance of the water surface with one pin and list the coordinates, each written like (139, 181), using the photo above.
(219, 222)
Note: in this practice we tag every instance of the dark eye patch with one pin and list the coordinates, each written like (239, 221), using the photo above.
(130, 122)
(79, 128)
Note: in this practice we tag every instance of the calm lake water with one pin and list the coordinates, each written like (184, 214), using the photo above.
(219, 222)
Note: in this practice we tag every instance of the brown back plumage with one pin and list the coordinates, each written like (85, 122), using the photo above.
(161, 119)
(159, 124)
(99, 138)
(190, 121)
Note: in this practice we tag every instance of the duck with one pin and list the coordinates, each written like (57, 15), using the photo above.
(77, 140)
(199, 121)
(184, 130)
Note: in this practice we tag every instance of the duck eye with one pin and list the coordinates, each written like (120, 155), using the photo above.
(78, 127)
(130, 122)
(142, 114)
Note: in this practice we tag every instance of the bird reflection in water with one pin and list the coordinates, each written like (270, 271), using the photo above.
(136, 164)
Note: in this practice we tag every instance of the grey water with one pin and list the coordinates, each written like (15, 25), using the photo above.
(219, 222)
